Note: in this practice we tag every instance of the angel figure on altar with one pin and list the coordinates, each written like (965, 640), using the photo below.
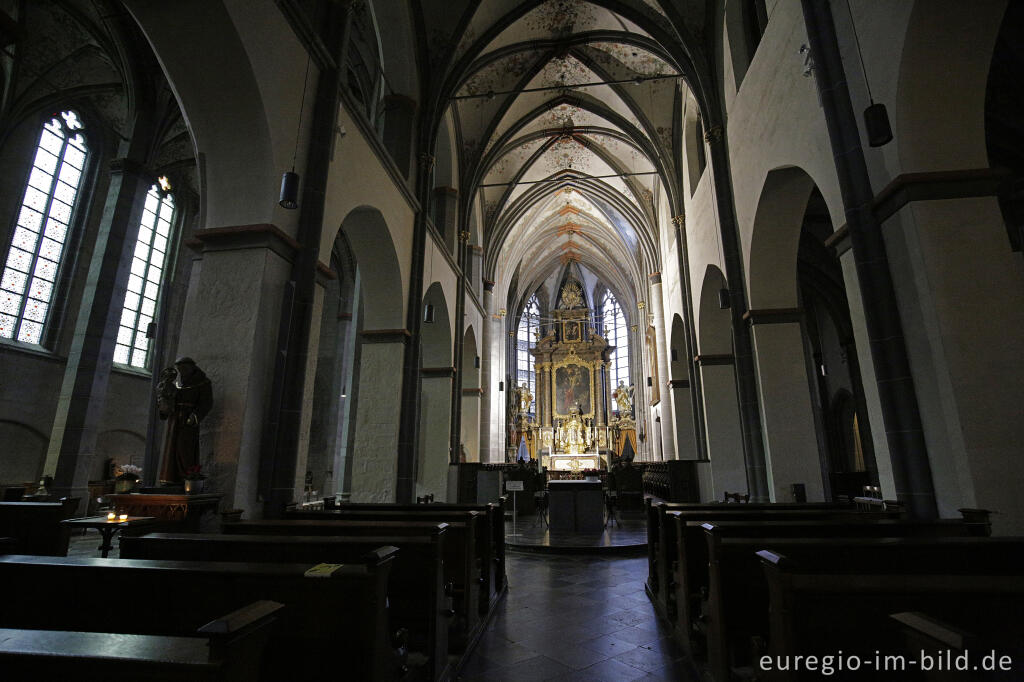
(624, 398)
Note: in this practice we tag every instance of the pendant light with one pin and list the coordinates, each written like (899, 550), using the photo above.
(290, 180)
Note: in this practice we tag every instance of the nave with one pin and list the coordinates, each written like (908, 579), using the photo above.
(575, 618)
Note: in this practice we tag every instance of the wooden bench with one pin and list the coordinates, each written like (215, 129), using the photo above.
(227, 649)
(734, 607)
(36, 527)
(461, 560)
(417, 594)
(342, 617)
(484, 547)
(837, 595)
(983, 638)
(666, 553)
(493, 545)
(654, 512)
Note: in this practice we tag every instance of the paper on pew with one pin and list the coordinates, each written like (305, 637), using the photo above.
(323, 570)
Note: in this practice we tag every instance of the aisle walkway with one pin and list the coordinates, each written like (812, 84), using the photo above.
(579, 618)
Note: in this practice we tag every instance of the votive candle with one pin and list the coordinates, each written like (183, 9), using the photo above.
(110, 516)
(124, 517)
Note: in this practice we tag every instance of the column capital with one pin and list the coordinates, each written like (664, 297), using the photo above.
(713, 134)
(464, 236)
(488, 285)
(679, 221)
(654, 278)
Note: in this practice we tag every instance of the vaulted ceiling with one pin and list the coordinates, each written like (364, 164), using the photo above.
(567, 118)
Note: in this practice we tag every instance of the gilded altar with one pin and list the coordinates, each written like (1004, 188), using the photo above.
(573, 392)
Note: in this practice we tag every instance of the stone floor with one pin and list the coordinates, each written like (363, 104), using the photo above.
(576, 617)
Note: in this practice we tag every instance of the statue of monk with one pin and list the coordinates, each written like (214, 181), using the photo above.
(184, 397)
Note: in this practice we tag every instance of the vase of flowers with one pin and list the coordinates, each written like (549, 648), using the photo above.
(195, 480)
(127, 479)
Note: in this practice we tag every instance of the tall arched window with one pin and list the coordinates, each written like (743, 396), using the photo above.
(37, 245)
(615, 331)
(525, 340)
(140, 301)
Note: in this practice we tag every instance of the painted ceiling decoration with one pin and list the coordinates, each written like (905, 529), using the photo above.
(559, 105)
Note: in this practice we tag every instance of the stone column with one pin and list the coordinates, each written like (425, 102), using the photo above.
(668, 442)
(229, 327)
(471, 423)
(724, 430)
(374, 466)
(487, 379)
(399, 119)
(445, 213)
(786, 412)
(83, 391)
(435, 431)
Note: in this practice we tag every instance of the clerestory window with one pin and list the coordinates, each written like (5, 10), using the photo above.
(143, 294)
(38, 243)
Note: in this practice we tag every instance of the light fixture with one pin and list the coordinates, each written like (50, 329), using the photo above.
(876, 123)
(428, 313)
(476, 362)
(289, 197)
(723, 298)
(501, 385)
(650, 382)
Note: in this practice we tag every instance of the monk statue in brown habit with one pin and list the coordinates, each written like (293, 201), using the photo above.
(184, 396)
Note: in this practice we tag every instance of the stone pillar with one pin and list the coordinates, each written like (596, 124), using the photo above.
(83, 391)
(374, 466)
(471, 422)
(724, 429)
(445, 213)
(399, 119)
(668, 436)
(229, 328)
(435, 432)
(487, 379)
(790, 438)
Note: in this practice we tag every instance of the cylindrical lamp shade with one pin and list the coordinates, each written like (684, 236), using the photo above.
(290, 190)
(876, 123)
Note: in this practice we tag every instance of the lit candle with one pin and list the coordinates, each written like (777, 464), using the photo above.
(124, 517)
(110, 516)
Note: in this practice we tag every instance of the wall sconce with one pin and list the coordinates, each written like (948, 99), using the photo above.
(502, 312)
(428, 313)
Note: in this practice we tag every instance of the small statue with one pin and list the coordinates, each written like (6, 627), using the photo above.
(624, 398)
(524, 397)
(184, 396)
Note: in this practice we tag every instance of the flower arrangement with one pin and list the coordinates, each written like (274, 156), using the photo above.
(195, 473)
(129, 472)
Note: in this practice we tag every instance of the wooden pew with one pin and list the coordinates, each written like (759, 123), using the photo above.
(735, 609)
(418, 601)
(340, 619)
(963, 642)
(667, 551)
(469, 567)
(493, 544)
(227, 649)
(654, 512)
(836, 595)
(36, 527)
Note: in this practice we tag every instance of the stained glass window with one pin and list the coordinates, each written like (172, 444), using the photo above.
(525, 340)
(39, 237)
(148, 261)
(615, 331)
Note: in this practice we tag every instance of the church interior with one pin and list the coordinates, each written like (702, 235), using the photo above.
(738, 282)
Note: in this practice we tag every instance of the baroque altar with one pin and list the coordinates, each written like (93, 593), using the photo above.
(573, 392)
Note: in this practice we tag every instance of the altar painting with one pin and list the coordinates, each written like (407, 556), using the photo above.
(572, 387)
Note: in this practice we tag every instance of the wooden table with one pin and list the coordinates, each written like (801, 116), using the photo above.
(184, 510)
(107, 527)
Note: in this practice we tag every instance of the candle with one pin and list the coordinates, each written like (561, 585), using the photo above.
(124, 517)
(110, 516)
